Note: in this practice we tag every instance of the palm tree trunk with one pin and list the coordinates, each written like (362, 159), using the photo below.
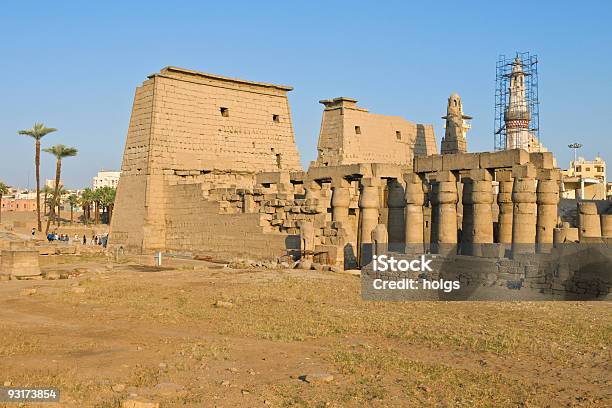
(71, 214)
(58, 170)
(0, 208)
(37, 165)
(45, 205)
(110, 213)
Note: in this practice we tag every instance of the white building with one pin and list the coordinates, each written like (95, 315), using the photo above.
(106, 178)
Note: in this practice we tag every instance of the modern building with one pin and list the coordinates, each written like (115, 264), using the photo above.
(585, 179)
(50, 183)
(106, 178)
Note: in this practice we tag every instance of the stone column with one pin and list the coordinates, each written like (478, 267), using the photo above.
(504, 201)
(444, 214)
(380, 239)
(477, 215)
(589, 223)
(415, 200)
(307, 244)
(524, 217)
(547, 199)
(369, 204)
(606, 225)
(341, 199)
(396, 222)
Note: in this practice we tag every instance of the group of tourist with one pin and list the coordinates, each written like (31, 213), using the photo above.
(101, 240)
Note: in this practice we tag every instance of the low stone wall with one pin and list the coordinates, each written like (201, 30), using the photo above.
(19, 263)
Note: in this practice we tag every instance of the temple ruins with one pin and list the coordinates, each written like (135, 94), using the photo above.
(211, 168)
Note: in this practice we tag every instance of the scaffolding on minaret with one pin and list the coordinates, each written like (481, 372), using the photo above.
(505, 70)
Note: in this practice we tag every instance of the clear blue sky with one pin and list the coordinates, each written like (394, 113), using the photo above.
(75, 65)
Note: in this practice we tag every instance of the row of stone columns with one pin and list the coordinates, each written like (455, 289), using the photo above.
(527, 214)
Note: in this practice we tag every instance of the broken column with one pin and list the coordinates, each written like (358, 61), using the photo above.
(547, 193)
(415, 200)
(589, 223)
(341, 199)
(307, 244)
(477, 225)
(506, 208)
(444, 214)
(369, 204)
(396, 222)
(380, 240)
(524, 216)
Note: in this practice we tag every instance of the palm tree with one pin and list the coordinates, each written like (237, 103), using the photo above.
(58, 203)
(3, 190)
(97, 200)
(107, 200)
(86, 200)
(37, 132)
(47, 191)
(73, 200)
(59, 151)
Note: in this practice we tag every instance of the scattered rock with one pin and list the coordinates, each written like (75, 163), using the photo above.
(317, 378)
(305, 264)
(317, 266)
(245, 392)
(424, 388)
(28, 292)
(225, 383)
(118, 387)
(224, 304)
(134, 403)
(233, 370)
(285, 264)
(52, 275)
(78, 289)
(64, 275)
(168, 388)
(8, 383)
(336, 269)
(163, 365)
(4, 277)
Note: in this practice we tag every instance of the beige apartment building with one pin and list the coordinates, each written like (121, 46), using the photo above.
(585, 179)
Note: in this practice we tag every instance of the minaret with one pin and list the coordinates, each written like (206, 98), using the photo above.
(517, 115)
(454, 140)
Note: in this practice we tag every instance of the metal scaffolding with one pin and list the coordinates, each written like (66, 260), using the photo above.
(529, 63)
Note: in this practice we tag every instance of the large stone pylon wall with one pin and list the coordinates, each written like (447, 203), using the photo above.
(350, 135)
(191, 124)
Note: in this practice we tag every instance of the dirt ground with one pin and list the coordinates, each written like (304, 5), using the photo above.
(197, 334)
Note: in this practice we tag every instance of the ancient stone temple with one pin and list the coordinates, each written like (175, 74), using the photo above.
(211, 168)
(456, 128)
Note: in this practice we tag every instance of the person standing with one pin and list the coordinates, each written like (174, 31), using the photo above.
(84, 240)
(33, 233)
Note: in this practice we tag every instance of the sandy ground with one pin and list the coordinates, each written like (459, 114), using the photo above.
(195, 334)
